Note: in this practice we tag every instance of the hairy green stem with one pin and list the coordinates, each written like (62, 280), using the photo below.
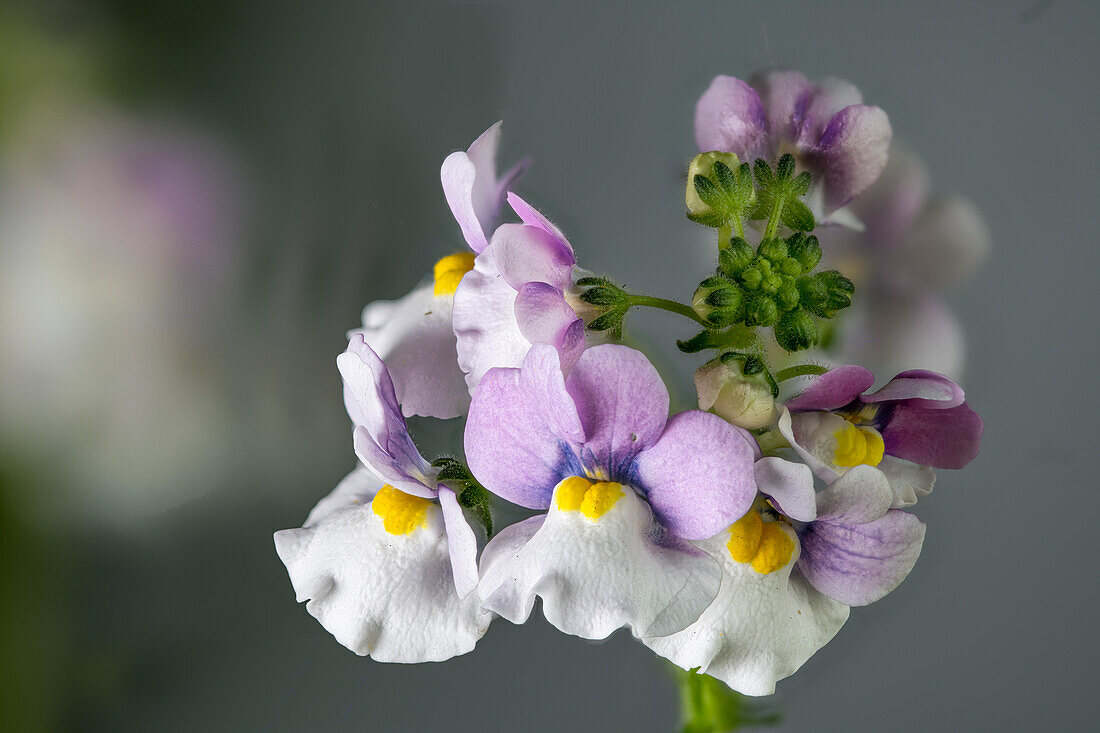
(799, 370)
(649, 301)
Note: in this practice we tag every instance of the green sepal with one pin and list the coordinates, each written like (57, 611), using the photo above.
(797, 216)
(709, 219)
(602, 295)
(710, 193)
(612, 320)
(470, 494)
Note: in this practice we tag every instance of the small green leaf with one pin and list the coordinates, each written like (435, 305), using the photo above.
(797, 216)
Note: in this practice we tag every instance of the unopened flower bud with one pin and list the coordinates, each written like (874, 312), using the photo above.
(733, 260)
(796, 330)
(761, 311)
(725, 389)
(703, 165)
(718, 301)
(805, 249)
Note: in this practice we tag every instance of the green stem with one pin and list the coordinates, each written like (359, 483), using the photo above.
(773, 218)
(649, 301)
(739, 228)
(724, 233)
(799, 370)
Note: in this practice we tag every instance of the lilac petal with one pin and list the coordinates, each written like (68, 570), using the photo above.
(523, 429)
(393, 470)
(622, 403)
(783, 95)
(698, 477)
(937, 438)
(859, 564)
(945, 245)
(920, 388)
(542, 313)
(790, 486)
(525, 254)
(472, 189)
(852, 152)
(730, 117)
(833, 389)
(529, 215)
(461, 543)
(372, 405)
(861, 495)
(824, 100)
(891, 205)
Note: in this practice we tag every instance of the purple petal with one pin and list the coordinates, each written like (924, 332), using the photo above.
(472, 189)
(861, 495)
(545, 318)
(920, 388)
(937, 438)
(523, 430)
(461, 543)
(730, 117)
(823, 101)
(525, 254)
(528, 214)
(393, 468)
(790, 486)
(698, 477)
(372, 405)
(852, 152)
(622, 403)
(833, 389)
(783, 95)
(859, 564)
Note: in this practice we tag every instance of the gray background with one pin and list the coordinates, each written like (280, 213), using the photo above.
(343, 114)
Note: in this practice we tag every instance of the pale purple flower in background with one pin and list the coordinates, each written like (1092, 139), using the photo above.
(387, 561)
(624, 486)
(916, 245)
(918, 421)
(119, 251)
(414, 334)
(519, 293)
(842, 142)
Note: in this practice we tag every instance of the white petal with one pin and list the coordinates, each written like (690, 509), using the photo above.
(908, 481)
(355, 489)
(414, 337)
(760, 628)
(814, 451)
(595, 576)
(485, 321)
(390, 597)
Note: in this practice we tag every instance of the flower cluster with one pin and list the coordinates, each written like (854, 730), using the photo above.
(730, 539)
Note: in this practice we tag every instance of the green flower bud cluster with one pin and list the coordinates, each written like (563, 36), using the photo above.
(774, 286)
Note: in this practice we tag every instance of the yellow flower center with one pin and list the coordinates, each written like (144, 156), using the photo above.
(450, 270)
(592, 499)
(763, 544)
(856, 446)
(401, 513)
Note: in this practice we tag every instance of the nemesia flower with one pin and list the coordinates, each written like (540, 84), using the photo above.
(387, 561)
(791, 568)
(919, 420)
(842, 142)
(623, 486)
(519, 293)
(414, 334)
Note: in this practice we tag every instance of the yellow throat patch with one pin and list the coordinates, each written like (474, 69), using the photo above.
(401, 513)
(856, 446)
(450, 270)
(762, 544)
(592, 499)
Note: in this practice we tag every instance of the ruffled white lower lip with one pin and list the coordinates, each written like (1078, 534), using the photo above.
(390, 597)
(595, 576)
(759, 629)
